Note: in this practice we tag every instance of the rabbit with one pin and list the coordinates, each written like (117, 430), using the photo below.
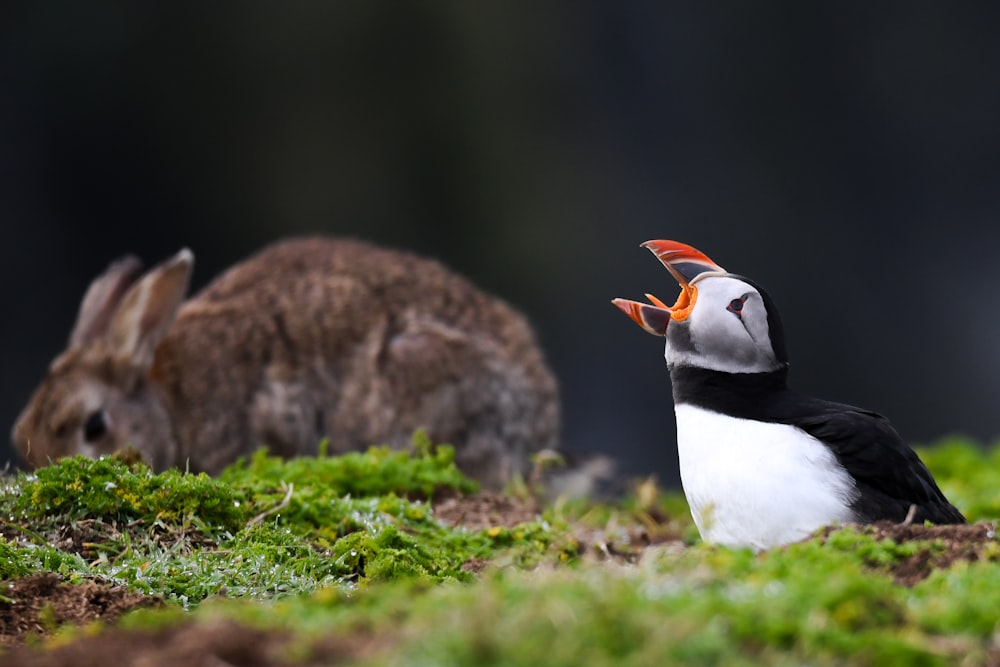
(310, 339)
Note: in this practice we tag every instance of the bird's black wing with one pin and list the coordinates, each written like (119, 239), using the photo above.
(890, 476)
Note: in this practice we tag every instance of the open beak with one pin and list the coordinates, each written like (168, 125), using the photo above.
(685, 264)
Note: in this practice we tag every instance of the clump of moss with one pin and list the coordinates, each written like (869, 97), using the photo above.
(21, 558)
(425, 471)
(266, 528)
(876, 553)
(109, 489)
(967, 474)
(13, 561)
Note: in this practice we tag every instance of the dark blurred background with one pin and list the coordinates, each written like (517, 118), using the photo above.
(845, 155)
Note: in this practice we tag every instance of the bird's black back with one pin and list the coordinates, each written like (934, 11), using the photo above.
(889, 476)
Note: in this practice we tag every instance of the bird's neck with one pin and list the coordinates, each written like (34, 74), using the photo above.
(745, 395)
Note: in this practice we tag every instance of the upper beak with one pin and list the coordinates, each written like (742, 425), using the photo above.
(686, 264)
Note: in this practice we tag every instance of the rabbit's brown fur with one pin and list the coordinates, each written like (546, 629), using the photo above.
(309, 339)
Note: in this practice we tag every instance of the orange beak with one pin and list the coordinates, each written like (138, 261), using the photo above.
(685, 264)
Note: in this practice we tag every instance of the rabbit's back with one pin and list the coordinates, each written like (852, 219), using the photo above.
(319, 338)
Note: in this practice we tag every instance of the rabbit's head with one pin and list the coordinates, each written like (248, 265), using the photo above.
(97, 397)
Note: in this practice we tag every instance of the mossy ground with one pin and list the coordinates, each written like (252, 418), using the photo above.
(385, 558)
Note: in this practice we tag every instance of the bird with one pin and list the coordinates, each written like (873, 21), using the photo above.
(762, 465)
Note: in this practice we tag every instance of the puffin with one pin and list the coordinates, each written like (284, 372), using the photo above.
(762, 465)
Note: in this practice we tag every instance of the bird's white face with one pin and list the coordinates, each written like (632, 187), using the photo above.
(720, 321)
(726, 329)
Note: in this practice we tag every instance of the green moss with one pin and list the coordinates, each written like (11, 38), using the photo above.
(263, 530)
(14, 562)
(349, 547)
(667, 611)
(959, 601)
(967, 474)
(109, 489)
(878, 553)
(424, 472)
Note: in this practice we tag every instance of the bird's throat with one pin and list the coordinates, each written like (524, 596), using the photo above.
(745, 395)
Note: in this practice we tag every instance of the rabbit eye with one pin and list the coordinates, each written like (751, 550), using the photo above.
(95, 426)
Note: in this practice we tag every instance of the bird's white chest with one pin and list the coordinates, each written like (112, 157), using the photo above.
(757, 484)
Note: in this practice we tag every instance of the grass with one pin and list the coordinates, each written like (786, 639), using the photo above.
(350, 547)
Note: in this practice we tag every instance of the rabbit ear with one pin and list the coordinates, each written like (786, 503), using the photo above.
(148, 309)
(101, 299)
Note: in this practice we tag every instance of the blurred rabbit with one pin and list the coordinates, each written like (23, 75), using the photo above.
(311, 338)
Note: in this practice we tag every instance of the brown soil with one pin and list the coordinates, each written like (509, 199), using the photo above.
(211, 642)
(485, 510)
(951, 544)
(43, 602)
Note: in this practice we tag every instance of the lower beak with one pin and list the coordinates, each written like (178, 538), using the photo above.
(686, 264)
(653, 319)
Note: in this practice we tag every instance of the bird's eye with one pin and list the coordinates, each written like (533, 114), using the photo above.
(95, 426)
(736, 305)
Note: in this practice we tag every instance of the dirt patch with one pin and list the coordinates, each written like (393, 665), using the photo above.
(625, 544)
(42, 602)
(211, 642)
(626, 537)
(948, 545)
(485, 510)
